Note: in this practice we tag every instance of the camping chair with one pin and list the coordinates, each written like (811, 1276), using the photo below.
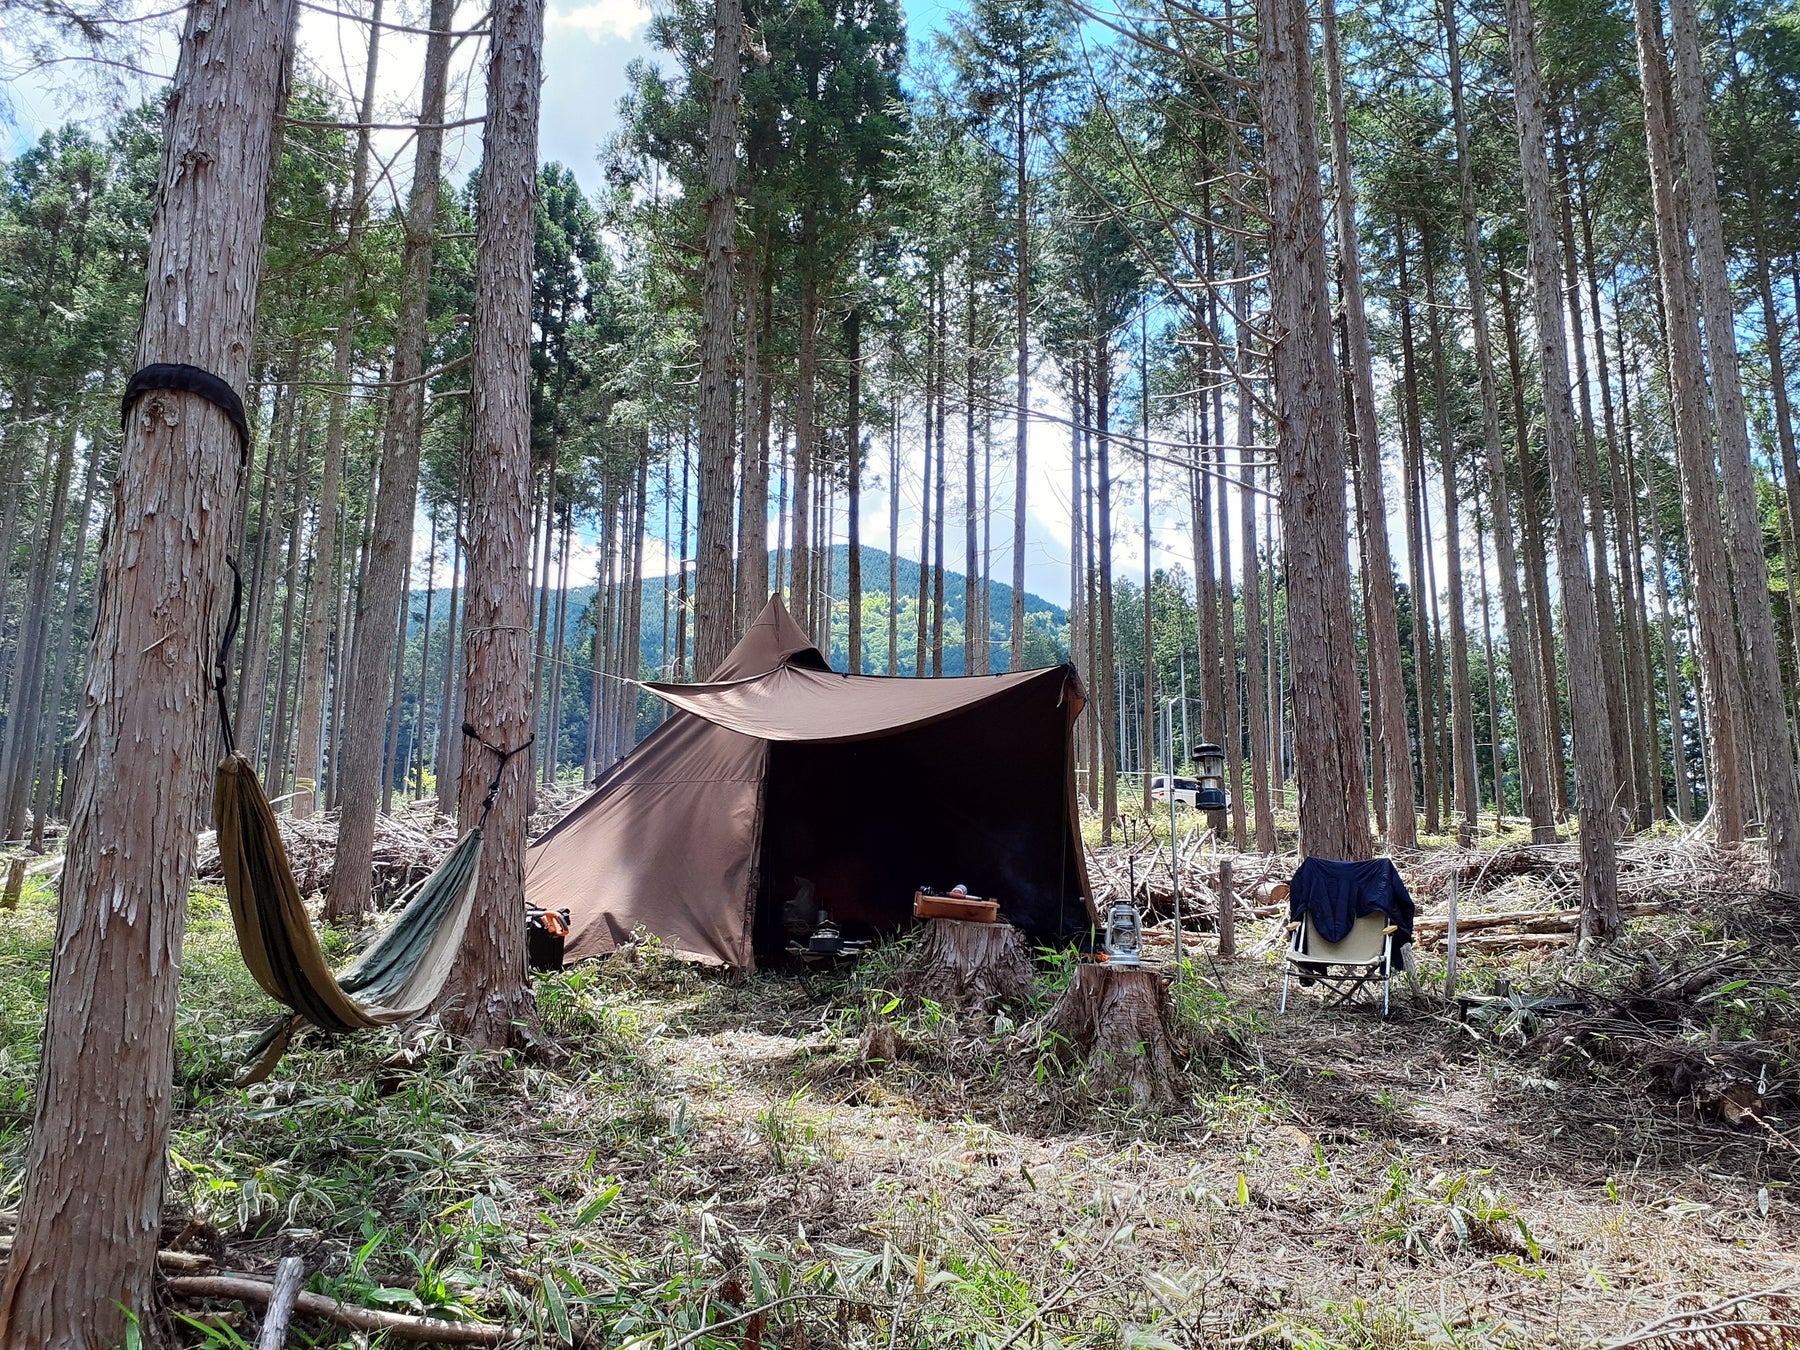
(1343, 968)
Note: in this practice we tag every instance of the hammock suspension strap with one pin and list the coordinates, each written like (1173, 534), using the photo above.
(215, 389)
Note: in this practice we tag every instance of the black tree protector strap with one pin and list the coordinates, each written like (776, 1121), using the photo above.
(487, 803)
(222, 666)
(193, 380)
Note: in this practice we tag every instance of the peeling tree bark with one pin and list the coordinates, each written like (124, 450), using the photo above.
(488, 997)
(1595, 776)
(1334, 816)
(84, 1251)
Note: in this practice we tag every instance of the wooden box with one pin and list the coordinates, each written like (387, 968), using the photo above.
(971, 909)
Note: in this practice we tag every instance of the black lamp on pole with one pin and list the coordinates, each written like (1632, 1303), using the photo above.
(1209, 768)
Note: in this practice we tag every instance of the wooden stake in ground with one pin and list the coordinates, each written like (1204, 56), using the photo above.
(488, 998)
(289, 1276)
(1227, 912)
(964, 966)
(85, 1251)
(1113, 1024)
(1450, 946)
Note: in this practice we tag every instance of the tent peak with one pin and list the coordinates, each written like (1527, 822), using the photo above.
(772, 640)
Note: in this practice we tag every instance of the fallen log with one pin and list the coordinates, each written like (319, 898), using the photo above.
(1531, 920)
(1503, 942)
(401, 1326)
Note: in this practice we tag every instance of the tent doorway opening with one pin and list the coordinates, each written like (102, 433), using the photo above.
(966, 800)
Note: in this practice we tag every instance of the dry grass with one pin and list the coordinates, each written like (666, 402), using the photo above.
(1328, 1178)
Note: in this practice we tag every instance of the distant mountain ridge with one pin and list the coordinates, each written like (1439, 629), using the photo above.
(1046, 623)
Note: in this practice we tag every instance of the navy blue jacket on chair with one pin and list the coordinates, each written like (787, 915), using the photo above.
(1336, 894)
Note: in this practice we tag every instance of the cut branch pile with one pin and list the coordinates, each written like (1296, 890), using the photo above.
(1651, 867)
(405, 852)
(1662, 1028)
(1140, 870)
(553, 803)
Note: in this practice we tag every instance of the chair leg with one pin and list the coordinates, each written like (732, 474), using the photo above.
(1286, 975)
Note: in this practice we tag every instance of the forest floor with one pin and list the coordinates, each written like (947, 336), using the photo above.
(711, 1145)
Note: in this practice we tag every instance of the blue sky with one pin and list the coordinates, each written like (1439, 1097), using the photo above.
(589, 45)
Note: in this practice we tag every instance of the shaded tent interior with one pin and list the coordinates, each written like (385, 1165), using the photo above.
(868, 786)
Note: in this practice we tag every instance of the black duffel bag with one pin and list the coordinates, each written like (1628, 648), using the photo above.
(546, 933)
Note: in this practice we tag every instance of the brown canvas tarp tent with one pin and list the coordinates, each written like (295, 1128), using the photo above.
(868, 786)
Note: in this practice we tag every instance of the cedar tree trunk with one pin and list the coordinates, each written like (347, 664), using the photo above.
(84, 1250)
(488, 994)
(714, 630)
(390, 547)
(1334, 815)
(1595, 777)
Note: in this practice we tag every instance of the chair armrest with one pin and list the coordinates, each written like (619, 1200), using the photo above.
(1390, 930)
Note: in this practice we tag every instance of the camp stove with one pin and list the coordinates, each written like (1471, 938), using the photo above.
(827, 941)
(1124, 936)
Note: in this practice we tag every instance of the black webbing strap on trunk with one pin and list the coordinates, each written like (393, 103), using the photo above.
(493, 791)
(222, 666)
(215, 389)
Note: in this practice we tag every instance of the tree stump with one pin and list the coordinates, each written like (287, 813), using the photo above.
(881, 1044)
(1114, 1022)
(962, 966)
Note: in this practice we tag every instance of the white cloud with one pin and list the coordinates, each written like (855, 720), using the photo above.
(601, 19)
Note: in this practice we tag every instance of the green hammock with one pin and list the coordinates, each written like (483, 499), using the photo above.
(398, 978)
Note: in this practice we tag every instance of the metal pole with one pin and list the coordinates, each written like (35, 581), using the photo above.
(1450, 947)
(1174, 838)
(1187, 741)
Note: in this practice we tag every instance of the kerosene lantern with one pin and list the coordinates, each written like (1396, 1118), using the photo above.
(1124, 935)
(1209, 768)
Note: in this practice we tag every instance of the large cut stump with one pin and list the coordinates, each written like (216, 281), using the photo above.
(964, 967)
(1114, 1023)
